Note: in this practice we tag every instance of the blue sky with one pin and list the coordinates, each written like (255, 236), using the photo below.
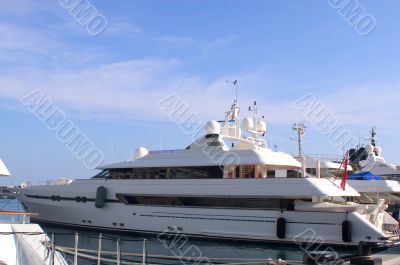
(109, 84)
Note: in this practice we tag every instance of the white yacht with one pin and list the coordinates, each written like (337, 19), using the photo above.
(23, 243)
(225, 185)
(369, 158)
(373, 189)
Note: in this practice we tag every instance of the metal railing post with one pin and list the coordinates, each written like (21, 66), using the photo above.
(76, 248)
(99, 250)
(53, 249)
(118, 253)
(144, 257)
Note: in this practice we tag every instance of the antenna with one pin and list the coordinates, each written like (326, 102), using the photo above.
(235, 83)
(161, 132)
(299, 128)
(255, 130)
(255, 111)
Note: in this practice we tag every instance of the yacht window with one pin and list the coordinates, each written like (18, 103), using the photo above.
(265, 203)
(165, 173)
(248, 171)
(122, 173)
(293, 174)
(312, 171)
(103, 174)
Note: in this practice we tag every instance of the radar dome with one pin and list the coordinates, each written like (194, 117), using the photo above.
(378, 150)
(261, 126)
(369, 148)
(248, 124)
(140, 152)
(213, 127)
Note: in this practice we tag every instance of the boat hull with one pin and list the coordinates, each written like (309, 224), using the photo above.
(322, 226)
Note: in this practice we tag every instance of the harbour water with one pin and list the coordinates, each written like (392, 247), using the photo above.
(223, 252)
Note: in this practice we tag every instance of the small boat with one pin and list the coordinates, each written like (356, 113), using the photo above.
(24, 243)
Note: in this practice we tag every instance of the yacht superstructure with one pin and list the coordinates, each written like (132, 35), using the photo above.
(373, 189)
(369, 158)
(226, 184)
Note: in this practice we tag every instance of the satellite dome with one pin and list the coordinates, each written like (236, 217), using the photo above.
(248, 124)
(213, 127)
(140, 152)
(378, 150)
(369, 148)
(261, 126)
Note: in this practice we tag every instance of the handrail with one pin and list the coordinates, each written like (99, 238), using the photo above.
(18, 213)
(25, 216)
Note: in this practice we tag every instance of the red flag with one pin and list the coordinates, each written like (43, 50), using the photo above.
(344, 177)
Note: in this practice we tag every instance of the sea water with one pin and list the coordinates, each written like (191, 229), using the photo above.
(213, 251)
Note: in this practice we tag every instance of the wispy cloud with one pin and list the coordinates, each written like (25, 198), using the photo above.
(130, 90)
(187, 42)
(123, 28)
(21, 7)
(219, 43)
(175, 41)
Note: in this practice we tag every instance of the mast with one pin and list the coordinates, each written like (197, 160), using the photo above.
(236, 90)
(299, 128)
(373, 134)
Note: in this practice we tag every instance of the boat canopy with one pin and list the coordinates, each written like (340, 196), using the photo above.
(3, 169)
(364, 176)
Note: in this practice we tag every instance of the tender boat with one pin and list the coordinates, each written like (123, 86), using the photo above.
(227, 184)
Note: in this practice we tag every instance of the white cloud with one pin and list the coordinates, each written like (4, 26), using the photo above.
(126, 90)
(219, 43)
(123, 28)
(175, 41)
(21, 7)
(131, 89)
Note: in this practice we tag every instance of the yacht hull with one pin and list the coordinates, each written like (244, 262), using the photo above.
(324, 226)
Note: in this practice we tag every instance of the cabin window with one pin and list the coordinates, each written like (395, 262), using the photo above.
(209, 172)
(103, 174)
(221, 202)
(271, 174)
(293, 174)
(312, 171)
(248, 171)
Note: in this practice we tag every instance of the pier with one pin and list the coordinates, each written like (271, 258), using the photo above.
(7, 192)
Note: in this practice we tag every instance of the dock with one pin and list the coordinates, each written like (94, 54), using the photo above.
(390, 256)
(7, 192)
(364, 256)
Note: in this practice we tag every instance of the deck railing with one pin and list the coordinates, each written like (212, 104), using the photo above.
(15, 216)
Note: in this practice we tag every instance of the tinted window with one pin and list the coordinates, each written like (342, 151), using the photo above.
(266, 203)
(163, 173)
